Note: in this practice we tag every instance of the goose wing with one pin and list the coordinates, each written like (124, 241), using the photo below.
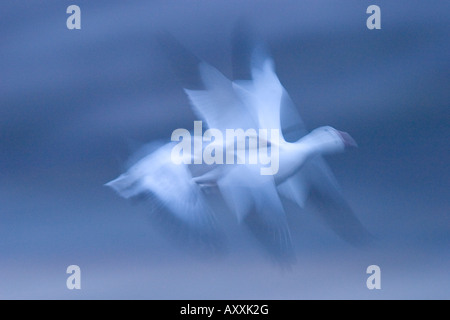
(267, 98)
(211, 95)
(219, 104)
(171, 184)
(255, 200)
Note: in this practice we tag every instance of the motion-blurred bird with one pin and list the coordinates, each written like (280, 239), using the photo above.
(257, 100)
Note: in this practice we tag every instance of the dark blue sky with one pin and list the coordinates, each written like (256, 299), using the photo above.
(74, 103)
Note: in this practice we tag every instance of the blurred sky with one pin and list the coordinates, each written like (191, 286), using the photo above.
(74, 103)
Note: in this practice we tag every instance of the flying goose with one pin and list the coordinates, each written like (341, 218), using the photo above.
(259, 101)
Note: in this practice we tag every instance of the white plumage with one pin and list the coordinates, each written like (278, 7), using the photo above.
(256, 103)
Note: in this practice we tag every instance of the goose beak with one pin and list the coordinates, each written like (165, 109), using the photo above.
(347, 139)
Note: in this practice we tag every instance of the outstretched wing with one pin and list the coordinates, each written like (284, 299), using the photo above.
(210, 93)
(268, 99)
(262, 95)
(256, 81)
(267, 222)
(172, 184)
(255, 200)
(326, 197)
(218, 104)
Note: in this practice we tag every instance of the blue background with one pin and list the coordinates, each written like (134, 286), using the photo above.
(72, 102)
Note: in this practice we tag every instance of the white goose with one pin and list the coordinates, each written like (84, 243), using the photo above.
(255, 103)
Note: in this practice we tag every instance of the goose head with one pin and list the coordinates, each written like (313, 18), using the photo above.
(328, 140)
